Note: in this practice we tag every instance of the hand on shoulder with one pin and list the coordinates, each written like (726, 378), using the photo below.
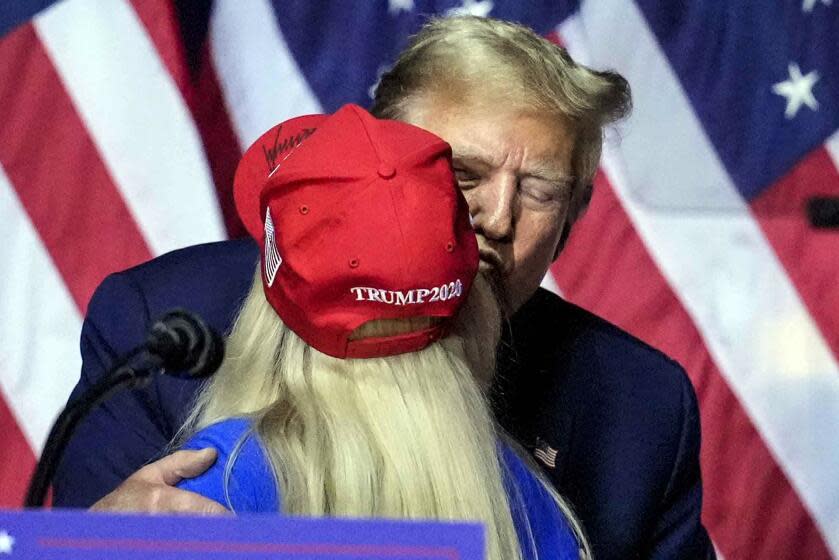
(152, 488)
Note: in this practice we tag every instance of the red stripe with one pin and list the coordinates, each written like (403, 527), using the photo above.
(18, 460)
(58, 174)
(161, 23)
(307, 549)
(220, 142)
(750, 508)
(204, 99)
(555, 38)
(810, 256)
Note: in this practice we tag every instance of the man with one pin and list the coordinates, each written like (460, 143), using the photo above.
(613, 422)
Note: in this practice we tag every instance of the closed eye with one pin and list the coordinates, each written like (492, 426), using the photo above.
(539, 195)
(466, 179)
(543, 193)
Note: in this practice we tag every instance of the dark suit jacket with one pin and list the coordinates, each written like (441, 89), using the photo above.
(615, 420)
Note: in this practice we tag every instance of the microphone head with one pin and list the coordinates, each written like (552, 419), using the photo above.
(185, 344)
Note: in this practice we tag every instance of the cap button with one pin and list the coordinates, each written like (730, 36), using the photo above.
(386, 171)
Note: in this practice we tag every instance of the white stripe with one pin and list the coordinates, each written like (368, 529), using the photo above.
(39, 354)
(261, 82)
(272, 256)
(137, 118)
(832, 147)
(548, 458)
(721, 266)
(549, 283)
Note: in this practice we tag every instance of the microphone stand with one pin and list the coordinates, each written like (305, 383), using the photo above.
(124, 374)
(179, 341)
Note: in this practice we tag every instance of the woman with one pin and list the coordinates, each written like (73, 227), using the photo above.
(355, 376)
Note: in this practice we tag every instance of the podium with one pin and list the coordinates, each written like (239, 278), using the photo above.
(78, 534)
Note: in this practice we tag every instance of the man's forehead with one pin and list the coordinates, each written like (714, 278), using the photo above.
(490, 134)
(534, 160)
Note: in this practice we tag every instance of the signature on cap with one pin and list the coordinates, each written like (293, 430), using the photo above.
(286, 144)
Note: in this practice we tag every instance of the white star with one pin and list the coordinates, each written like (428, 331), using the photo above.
(6, 542)
(808, 5)
(396, 6)
(480, 8)
(798, 90)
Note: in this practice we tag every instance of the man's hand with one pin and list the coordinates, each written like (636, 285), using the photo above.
(151, 489)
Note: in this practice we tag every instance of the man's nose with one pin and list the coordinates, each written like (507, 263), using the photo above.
(492, 206)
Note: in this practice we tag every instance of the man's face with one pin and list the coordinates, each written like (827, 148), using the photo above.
(514, 168)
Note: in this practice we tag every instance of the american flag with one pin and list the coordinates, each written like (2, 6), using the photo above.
(121, 122)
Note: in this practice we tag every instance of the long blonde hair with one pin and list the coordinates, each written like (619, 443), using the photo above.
(406, 436)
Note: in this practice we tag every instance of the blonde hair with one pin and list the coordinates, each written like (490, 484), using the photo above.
(406, 436)
(475, 60)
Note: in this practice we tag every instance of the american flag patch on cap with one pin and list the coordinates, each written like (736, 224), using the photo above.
(273, 260)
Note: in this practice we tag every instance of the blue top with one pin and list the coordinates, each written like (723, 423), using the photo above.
(251, 488)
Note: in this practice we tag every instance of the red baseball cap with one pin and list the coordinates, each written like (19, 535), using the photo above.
(358, 219)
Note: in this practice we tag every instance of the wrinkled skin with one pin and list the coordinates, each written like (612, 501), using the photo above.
(515, 170)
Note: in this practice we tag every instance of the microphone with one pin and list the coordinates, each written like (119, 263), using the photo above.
(179, 344)
(185, 344)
